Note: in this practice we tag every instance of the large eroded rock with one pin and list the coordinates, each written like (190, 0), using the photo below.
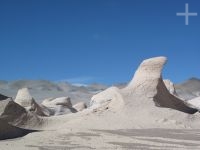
(148, 80)
(145, 88)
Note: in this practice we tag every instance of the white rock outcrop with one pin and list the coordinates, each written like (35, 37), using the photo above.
(145, 89)
(194, 103)
(80, 106)
(17, 115)
(59, 106)
(63, 101)
(9, 110)
(25, 99)
(111, 99)
(148, 81)
(170, 86)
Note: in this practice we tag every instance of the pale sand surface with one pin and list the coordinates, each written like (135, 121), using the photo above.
(134, 139)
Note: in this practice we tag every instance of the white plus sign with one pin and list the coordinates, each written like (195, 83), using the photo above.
(186, 14)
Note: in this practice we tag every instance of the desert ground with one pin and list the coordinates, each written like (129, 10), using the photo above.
(136, 139)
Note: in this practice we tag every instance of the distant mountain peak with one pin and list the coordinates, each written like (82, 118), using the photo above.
(194, 79)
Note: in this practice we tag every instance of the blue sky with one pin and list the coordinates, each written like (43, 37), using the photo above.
(96, 40)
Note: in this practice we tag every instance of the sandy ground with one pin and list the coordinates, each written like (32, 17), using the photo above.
(136, 139)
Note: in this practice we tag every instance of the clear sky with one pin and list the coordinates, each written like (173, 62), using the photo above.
(96, 40)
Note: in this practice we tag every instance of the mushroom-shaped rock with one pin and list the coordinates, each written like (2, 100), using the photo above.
(25, 99)
(80, 106)
(59, 106)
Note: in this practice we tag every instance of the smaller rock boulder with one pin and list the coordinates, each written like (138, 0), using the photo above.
(59, 106)
(63, 101)
(194, 103)
(3, 97)
(80, 106)
(11, 111)
(111, 99)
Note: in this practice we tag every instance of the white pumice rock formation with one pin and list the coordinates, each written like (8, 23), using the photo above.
(59, 106)
(25, 99)
(194, 103)
(146, 88)
(15, 114)
(63, 101)
(148, 81)
(80, 106)
(170, 86)
(111, 98)
(146, 102)
(10, 110)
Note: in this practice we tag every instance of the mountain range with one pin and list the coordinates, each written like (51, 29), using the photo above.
(42, 89)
